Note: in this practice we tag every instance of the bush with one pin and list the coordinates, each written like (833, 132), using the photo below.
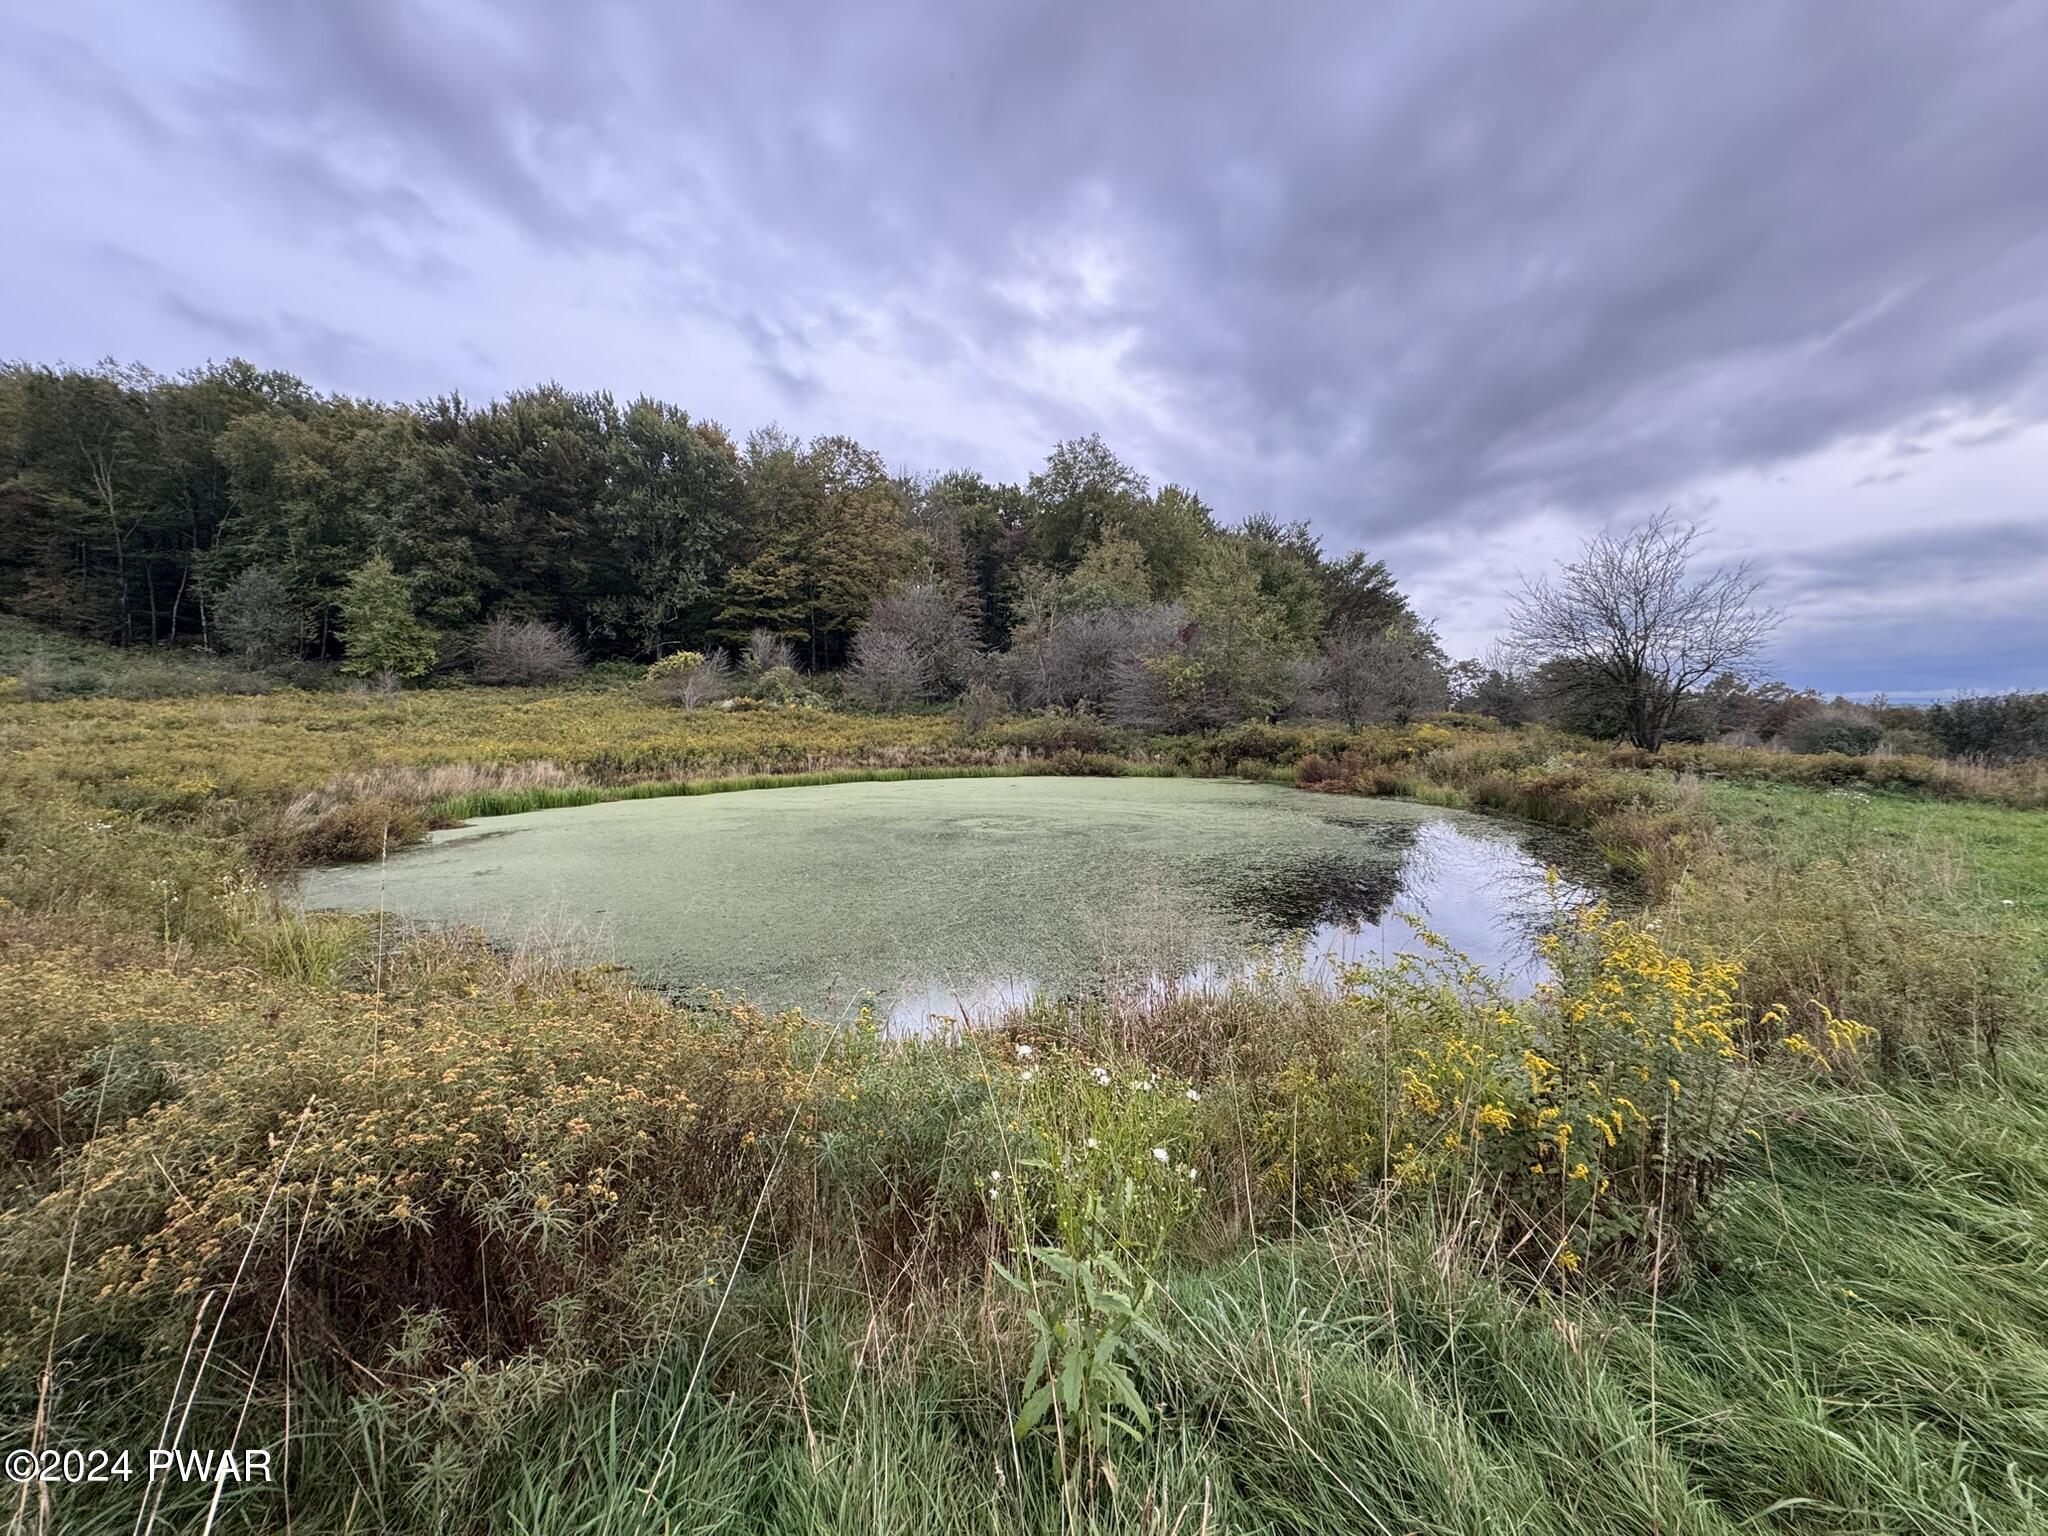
(765, 652)
(360, 831)
(980, 707)
(1361, 677)
(691, 678)
(785, 686)
(563, 1139)
(524, 653)
(2001, 728)
(1852, 732)
(916, 645)
(888, 671)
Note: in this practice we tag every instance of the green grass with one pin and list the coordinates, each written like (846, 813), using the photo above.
(2004, 851)
(42, 664)
(1866, 1350)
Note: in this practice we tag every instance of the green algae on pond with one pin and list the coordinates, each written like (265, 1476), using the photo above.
(945, 897)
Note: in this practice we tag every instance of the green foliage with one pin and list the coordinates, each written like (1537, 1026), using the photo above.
(829, 536)
(1113, 574)
(233, 506)
(1093, 1195)
(382, 636)
(258, 619)
(39, 664)
(675, 500)
(1851, 732)
(2003, 727)
(1234, 665)
(1083, 492)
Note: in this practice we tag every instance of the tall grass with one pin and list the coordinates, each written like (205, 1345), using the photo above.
(1868, 1353)
(496, 1243)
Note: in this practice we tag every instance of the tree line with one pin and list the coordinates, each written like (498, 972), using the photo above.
(239, 509)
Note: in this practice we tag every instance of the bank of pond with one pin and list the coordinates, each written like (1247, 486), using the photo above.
(944, 900)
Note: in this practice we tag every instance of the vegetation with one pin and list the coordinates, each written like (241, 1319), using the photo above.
(229, 508)
(236, 512)
(1732, 1226)
(1629, 631)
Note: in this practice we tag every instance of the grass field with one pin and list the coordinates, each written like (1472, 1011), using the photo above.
(488, 1243)
(2006, 854)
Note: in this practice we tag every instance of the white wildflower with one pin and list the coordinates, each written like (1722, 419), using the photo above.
(1101, 1075)
(1159, 1155)
(1194, 1097)
(1093, 1144)
(1025, 1052)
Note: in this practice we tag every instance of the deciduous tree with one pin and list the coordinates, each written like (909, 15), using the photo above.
(1629, 625)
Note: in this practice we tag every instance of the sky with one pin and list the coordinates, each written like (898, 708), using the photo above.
(1457, 284)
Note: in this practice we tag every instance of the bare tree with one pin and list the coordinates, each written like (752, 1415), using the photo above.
(1628, 621)
(888, 670)
(1363, 676)
(764, 652)
(934, 634)
(524, 652)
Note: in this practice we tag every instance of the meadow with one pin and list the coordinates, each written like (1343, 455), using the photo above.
(1736, 1226)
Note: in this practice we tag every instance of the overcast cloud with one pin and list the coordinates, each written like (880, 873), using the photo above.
(1456, 283)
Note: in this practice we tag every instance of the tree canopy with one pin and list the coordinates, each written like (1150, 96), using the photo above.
(242, 510)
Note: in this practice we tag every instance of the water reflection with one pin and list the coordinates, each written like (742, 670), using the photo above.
(961, 898)
(1489, 897)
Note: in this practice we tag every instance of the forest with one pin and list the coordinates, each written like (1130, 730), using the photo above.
(233, 511)
(135, 503)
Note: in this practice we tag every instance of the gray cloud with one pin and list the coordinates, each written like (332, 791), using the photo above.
(1417, 273)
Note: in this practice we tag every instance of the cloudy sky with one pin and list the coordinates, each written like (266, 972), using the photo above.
(1456, 283)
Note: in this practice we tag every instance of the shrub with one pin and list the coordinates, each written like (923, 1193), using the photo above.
(1607, 1099)
(785, 686)
(888, 671)
(1852, 732)
(980, 707)
(514, 1162)
(1080, 659)
(1359, 677)
(765, 652)
(360, 831)
(915, 645)
(691, 678)
(524, 653)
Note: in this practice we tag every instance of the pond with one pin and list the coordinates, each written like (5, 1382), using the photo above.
(951, 898)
